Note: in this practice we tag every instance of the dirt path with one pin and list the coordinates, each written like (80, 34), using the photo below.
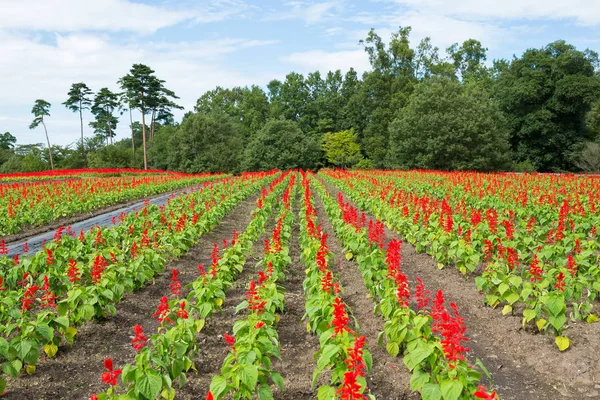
(75, 372)
(297, 345)
(214, 349)
(389, 379)
(522, 365)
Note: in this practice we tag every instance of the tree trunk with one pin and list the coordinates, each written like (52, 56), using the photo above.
(132, 136)
(82, 145)
(49, 150)
(108, 115)
(144, 136)
(152, 125)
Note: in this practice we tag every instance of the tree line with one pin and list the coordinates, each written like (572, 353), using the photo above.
(417, 107)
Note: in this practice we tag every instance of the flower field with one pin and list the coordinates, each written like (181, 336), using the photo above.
(300, 285)
(36, 199)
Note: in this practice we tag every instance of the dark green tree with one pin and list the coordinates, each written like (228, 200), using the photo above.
(7, 141)
(41, 109)
(282, 145)
(104, 107)
(546, 95)
(79, 100)
(144, 91)
(449, 126)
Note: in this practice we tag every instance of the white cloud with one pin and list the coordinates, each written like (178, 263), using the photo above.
(39, 70)
(75, 15)
(111, 15)
(586, 12)
(323, 61)
(311, 13)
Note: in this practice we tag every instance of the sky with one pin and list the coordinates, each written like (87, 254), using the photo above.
(46, 45)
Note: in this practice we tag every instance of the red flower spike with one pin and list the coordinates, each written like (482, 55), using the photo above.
(110, 376)
(139, 341)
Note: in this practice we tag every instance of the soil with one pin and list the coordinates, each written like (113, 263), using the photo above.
(388, 379)
(297, 345)
(74, 373)
(522, 365)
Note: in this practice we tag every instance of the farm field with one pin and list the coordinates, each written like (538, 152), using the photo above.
(29, 201)
(299, 285)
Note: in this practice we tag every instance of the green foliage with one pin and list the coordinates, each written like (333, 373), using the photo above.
(546, 94)
(105, 104)
(7, 141)
(449, 126)
(282, 145)
(341, 148)
(41, 109)
(204, 143)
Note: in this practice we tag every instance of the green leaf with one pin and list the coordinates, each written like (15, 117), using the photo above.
(556, 305)
(431, 391)
(512, 298)
(418, 354)
(329, 351)
(326, 393)
(2, 385)
(392, 348)
(507, 309)
(591, 318)
(557, 322)
(249, 376)
(277, 379)
(451, 389)
(149, 384)
(265, 393)
(46, 332)
(418, 379)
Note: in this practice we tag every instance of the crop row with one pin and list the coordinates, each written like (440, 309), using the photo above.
(530, 240)
(165, 358)
(432, 340)
(39, 203)
(74, 279)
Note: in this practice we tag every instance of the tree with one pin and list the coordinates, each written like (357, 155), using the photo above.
(145, 92)
(282, 145)
(546, 95)
(105, 104)
(41, 109)
(449, 126)
(79, 100)
(341, 148)
(7, 141)
(203, 143)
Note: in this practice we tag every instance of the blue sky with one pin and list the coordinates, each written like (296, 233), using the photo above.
(197, 45)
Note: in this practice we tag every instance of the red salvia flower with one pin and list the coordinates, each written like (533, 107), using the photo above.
(139, 341)
(535, 270)
(340, 317)
(98, 269)
(110, 375)
(28, 296)
(73, 272)
(175, 285)
(182, 313)
(209, 396)
(560, 282)
(571, 266)
(26, 247)
(482, 393)
(259, 325)
(421, 295)
(49, 257)
(2, 288)
(402, 290)
(162, 312)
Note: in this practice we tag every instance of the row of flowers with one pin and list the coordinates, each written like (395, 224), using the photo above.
(248, 369)
(342, 352)
(164, 359)
(73, 280)
(431, 338)
(35, 203)
(533, 242)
